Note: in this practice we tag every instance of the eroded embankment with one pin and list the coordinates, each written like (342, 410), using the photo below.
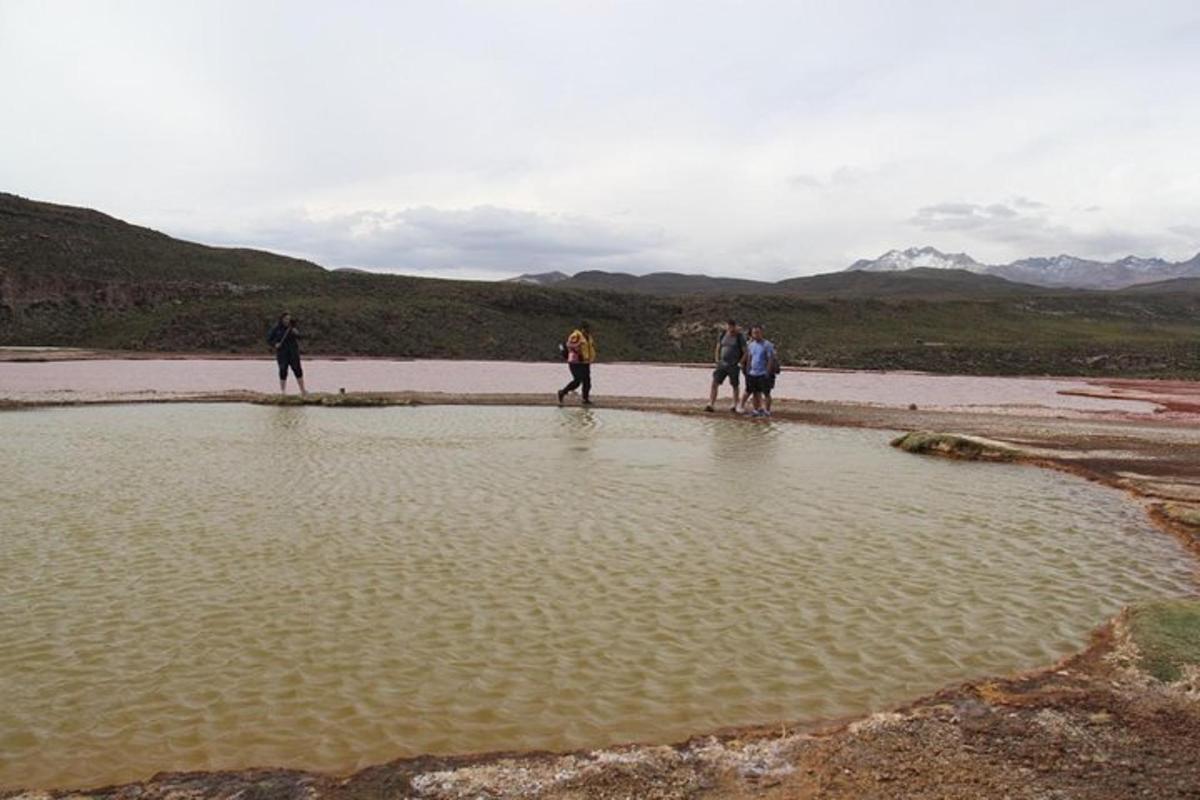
(1122, 719)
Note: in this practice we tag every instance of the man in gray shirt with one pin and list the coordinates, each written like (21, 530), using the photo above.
(730, 357)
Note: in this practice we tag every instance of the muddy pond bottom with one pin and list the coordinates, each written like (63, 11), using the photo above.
(220, 586)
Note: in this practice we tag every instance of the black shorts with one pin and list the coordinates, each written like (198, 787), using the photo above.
(759, 384)
(285, 360)
(723, 371)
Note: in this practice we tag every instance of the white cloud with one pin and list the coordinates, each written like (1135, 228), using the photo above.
(1033, 230)
(474, 241)
(765, 140)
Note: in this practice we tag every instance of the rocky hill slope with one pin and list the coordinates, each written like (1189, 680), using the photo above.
(75, 277)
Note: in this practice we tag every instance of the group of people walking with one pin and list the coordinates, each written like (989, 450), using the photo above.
(755, 358)
(736, 355)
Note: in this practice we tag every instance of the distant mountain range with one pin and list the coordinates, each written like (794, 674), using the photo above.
(927, 282)
(541, 278)
(74, 277)
(1061, 272)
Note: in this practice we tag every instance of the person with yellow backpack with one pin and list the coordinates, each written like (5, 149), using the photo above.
(579, 350)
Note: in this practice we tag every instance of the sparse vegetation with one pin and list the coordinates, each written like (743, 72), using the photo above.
(73, 277)
(1167, 635)
(953, 445)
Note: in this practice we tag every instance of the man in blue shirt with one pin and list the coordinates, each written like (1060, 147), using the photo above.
(760, 366)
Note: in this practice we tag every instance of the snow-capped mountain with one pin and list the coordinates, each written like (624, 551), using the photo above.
(1057, 265)
(1057, 272)
(541, 278)
(1137, 264)
(913, 257)
(1061, 271)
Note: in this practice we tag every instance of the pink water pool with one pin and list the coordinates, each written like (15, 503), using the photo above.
(136, 378)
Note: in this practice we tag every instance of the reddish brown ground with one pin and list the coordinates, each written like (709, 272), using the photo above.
(1176, 396)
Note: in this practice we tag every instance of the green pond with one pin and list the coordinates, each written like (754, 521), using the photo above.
(219, 586)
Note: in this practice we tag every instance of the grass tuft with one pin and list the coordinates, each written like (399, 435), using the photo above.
(1167, 634)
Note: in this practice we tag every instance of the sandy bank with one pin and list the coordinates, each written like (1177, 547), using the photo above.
(111, 378)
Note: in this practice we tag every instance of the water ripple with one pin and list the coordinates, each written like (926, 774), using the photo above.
(190, 587)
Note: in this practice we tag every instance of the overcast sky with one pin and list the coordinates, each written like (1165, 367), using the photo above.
(484, 139)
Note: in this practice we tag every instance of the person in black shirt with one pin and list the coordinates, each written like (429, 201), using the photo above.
(284, 337)
(730, 357)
